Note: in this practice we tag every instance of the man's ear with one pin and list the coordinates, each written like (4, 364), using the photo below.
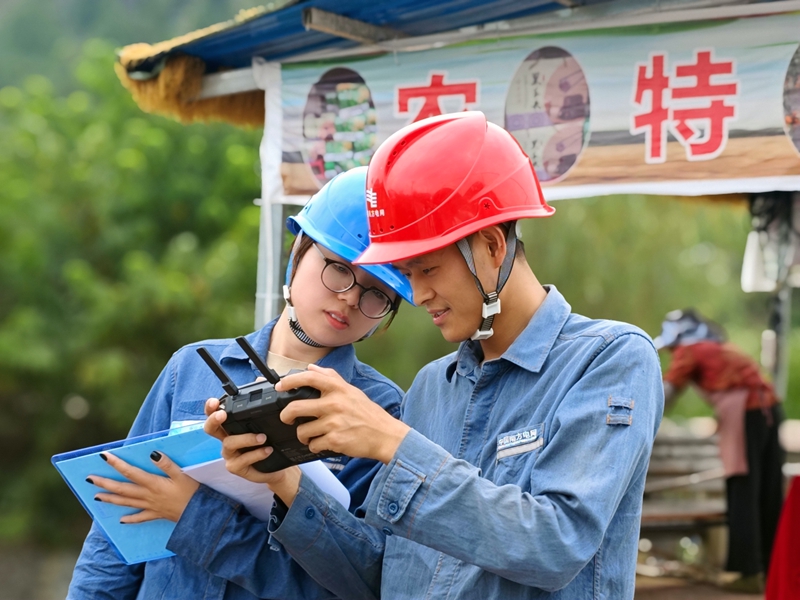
(493, 238)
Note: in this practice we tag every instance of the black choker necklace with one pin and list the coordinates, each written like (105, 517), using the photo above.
(302, 335)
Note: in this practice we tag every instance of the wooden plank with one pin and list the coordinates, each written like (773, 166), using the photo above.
(664, 511)
(686, 481)
(659, 485)
(682, 466)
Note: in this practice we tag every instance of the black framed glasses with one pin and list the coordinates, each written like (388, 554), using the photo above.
(339, 278)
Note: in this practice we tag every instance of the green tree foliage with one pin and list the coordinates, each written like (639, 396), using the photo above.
(634, 258)
(46, 36)
(123, 236)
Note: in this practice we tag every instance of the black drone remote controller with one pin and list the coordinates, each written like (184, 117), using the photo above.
(256, 408)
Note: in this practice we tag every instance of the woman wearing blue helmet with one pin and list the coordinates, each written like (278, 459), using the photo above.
(339, 233)
(221, 550)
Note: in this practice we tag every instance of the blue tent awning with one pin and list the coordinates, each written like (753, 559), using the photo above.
(181, 77)
(280, 34)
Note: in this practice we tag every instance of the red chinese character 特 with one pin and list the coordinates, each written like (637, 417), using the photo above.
(653, 123)
(700, 117)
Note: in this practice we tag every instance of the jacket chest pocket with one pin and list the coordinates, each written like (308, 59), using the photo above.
(189, 411)
(516, 453)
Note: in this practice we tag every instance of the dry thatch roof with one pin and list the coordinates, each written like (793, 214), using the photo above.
(164, 81)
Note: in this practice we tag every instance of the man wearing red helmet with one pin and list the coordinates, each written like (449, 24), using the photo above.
(517, 468)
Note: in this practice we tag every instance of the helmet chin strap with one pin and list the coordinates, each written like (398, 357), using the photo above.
(371, 331)
(491, 301)
(294, 324)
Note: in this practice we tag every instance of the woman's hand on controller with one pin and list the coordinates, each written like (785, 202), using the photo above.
(284, 483)
(214, 419)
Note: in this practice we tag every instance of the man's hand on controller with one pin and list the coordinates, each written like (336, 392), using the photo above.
(346, 420)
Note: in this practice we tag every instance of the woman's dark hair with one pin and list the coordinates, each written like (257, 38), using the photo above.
(299, 250)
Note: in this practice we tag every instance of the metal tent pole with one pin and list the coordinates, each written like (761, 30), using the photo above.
(268, 77)
(773, 218)
(781, 317)
(782, 312)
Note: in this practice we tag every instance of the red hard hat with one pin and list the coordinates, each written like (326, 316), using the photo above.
(441, 179)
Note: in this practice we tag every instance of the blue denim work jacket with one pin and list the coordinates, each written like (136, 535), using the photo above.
(222, 551)
(521, 478)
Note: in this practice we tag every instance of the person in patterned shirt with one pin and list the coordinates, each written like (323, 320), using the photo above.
(748, 413)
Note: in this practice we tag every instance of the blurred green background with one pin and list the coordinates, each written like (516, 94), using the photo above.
(124, 236)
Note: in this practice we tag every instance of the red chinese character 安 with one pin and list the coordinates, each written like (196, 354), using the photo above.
(431, 94)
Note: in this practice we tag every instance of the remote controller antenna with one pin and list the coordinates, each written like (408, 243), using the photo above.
(227, 385)
(270, 374)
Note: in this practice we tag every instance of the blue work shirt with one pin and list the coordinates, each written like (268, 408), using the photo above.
(222, 550)
(521, 478)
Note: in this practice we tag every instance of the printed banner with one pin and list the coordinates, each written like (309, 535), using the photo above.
(677, 109)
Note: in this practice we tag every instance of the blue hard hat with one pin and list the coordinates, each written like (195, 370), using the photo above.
(336, 218)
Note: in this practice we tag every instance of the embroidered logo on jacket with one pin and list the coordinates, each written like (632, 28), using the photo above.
(519, 442)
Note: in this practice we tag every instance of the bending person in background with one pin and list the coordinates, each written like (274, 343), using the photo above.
(748, 414)
(221, 550)
(517, 467)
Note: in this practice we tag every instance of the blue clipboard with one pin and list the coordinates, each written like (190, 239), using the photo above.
(138, 542)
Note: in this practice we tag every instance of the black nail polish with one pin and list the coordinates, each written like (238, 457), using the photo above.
(96, 499)
(89, 480)
(155, 456)
(104, 457)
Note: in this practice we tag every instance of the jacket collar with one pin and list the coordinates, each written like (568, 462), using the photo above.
(531, 347)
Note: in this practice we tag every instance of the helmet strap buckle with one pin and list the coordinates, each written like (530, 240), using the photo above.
(491, 300)
(288, 299)
(482, 335)
(491, 307)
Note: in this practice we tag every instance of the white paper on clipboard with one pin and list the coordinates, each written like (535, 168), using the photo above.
(257, 497)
